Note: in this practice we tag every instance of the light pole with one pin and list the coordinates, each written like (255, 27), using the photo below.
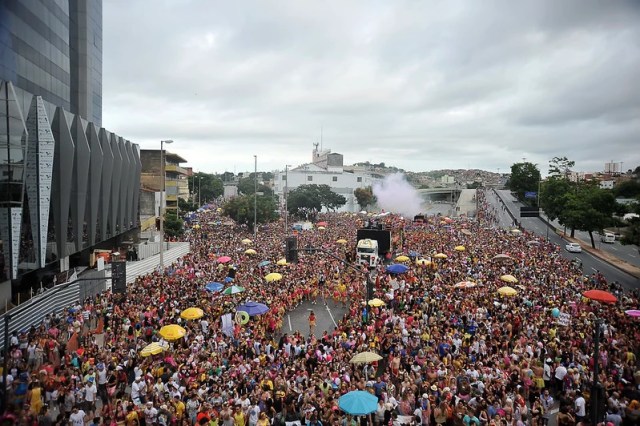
(286, 199)
(255, 196)
(199, 179)
(162, 189)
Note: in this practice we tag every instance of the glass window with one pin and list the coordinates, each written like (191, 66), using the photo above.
(335, 179)
(309, 178)
(359, 179)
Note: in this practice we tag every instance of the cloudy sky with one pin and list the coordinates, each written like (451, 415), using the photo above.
(420, 85)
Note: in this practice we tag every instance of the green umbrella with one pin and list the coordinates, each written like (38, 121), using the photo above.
(234, 289)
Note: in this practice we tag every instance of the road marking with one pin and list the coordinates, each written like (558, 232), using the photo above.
(331, 315)
(290, 327)
(613, 248)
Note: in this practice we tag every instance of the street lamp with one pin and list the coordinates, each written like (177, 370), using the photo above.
(255, 196)
(199, 179)
(286, 199)
(163, 188)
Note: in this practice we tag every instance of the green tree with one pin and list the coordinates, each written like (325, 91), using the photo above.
(303, 199)
(631, 234)
(553, 196)
(246, 186)
(525, 177)
(364, 197)
(173, 225)
(241, 209)
(187, 206)
(627, 189)
(560, 167)
(588, 209)
(330, 200)
(209, 185)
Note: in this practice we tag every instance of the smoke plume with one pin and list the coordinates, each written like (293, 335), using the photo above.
(396, 195)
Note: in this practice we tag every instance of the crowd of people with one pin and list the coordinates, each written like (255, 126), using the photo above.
(451, 354)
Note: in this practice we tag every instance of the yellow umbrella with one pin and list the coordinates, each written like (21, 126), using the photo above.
(459, 248)
(365, 358)
(250, 251)
(154, 348)
(192, 313)
(274, 276)
(509, 278)
(321, 228)
(423, 262)
(172, 332)
(402, 258)
(440, 256)
(376, 303)
(341, 241)
(507, 291)
(281, 262)
(246, 241)
(516, 231)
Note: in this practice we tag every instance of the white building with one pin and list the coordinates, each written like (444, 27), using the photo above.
(606, 184)
(326, 168)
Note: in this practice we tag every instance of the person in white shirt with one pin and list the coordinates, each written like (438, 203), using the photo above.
(77, 417)
(136, 388)
(580, 407)
(254, 413)
(90, 392)
(150, 413)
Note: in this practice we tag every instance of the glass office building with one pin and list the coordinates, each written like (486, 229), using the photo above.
(53, 49)
(67, 185)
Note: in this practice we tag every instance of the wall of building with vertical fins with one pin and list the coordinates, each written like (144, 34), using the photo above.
(82, 179)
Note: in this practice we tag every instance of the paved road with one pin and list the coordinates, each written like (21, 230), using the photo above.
(590, 263)
(327, 316)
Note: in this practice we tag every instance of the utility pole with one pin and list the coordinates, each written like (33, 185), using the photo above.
(286, 199)
(199, 179)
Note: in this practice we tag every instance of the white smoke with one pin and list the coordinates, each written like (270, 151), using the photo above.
(396, 195)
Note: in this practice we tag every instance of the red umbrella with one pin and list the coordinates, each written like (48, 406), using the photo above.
(600, 296)
(224, 259)
(321, 224)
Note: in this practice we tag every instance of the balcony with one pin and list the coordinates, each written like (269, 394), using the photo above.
(174, 168)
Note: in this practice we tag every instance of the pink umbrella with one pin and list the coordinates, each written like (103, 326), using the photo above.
(224, 259)
(633, 313)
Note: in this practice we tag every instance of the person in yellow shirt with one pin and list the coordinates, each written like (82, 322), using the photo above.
(179, 406)
(239, 418)
(132, 418)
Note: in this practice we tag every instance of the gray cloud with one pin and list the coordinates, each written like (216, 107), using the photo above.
(419, 85)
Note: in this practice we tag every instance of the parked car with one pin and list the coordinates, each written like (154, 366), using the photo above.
(573, 248)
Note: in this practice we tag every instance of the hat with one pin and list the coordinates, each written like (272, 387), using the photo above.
(150, 403)
(548, 360)
(163, 407)
(447, 389)
(434, 388)
(138, 377)
(425, 396)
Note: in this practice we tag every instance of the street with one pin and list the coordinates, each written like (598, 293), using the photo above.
(589, 263)
(327, 316)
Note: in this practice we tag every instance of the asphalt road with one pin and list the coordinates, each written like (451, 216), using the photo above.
(589, 263)
(327, 317)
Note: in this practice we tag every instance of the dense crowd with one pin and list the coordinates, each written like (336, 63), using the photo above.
(454, 355)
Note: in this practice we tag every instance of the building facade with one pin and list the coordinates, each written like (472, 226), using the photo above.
(175, 180)
(67, 185)
(326, 168)
(53, 49)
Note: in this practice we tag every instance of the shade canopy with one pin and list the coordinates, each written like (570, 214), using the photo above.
(508, 278)
(341, 241)
(253, 308)
(274, 276)
(213, 287)
(224, 259)
(281, 262)
(192, 313)
(376, 303)
(465, 284)
(358, 403)
(264, 263)
(423, 262)
(250, 251)
(600, 296)
(234, 289)
(154, 348)
(397, 268)
(459, 248)
(172, 332)
(440, 256)
(246, 241)
(507, 291)
(633, 313)
(365, 358)
(402, 258)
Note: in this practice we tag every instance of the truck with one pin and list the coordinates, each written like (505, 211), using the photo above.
(373, 245)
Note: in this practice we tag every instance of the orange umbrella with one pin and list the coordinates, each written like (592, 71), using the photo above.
(600, 296)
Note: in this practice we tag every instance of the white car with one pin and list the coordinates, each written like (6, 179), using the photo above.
(573, 248)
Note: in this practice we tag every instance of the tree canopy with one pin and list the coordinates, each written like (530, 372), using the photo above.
(525, 177)
(246, 186)
(364, 197)
(210, 186)
(241, 209)
(560, 167)
(313, 197)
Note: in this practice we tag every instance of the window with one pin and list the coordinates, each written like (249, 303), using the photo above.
(284, 177)
(335, 178)
(360, 179)
(309, 178)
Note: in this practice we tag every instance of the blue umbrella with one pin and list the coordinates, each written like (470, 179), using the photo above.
(413, 253)
(253, 308)
(213, 287)
(264, 263)
(228, 279)
(397, 268)
(358, 403)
